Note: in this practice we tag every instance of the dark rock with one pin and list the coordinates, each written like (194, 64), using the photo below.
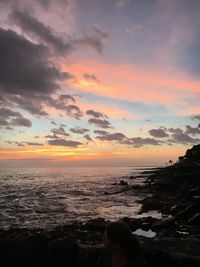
(195, 220)
(187, 213)
(151, 203)
(177, 208)
(164, 224)
(184, 260)
(123, 182)
(96, 224)
(196, 199)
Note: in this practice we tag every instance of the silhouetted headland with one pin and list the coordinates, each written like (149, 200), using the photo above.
(174, 191)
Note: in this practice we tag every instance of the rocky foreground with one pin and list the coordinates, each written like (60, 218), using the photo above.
(175, 192)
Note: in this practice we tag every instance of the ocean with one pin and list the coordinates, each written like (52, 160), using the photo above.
(49, 197)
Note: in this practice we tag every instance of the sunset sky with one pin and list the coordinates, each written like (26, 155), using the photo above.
(98, 82)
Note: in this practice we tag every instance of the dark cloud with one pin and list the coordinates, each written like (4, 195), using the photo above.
(15, 143)
(59, 131)
(139, 141)
(192, 130)
(7, 113)
(62, 142)
(100, 123)
(36, 104)
(111, 137)
(32, 25)
(92, 77)
(33, 105)
(54, 136)
(67, 98)
(21, 121)
(101, 132)
(10, 118)
(28, 65)
(87, 137)
(183, 138)
(95, 114)
(54, 123)
(175, 130)
(74, 111)
(34, 144)
(159, 133)
(62, 46)
(79, 130)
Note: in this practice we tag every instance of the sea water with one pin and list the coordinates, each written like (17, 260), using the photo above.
(47, 197)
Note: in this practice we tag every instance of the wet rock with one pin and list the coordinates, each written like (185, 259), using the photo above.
(151, 203)
(96, 224)
(122, 182)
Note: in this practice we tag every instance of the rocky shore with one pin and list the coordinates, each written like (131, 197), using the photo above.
(173, 191)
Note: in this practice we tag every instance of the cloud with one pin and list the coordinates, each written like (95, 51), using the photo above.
(15, 143)
(101, 132)
(54, 123)
(111, 137)
(183, 139)
(139, 141)
(34, 106)
(67, 98)
(7, 113)
(34, 73)
(61, 46)
(192, 130)
(92, 77)
(34, 144)
(87, 137)
(63, 142)
(10, 118)
(54, 136)
(59, 131)
(100, 123)
(21, 121)
(95, 114)
(158, 133)
(32, 25)
(175, 130)
(79, 130)
(74, 111)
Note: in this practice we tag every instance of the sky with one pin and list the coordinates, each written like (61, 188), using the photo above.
(98, 82)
